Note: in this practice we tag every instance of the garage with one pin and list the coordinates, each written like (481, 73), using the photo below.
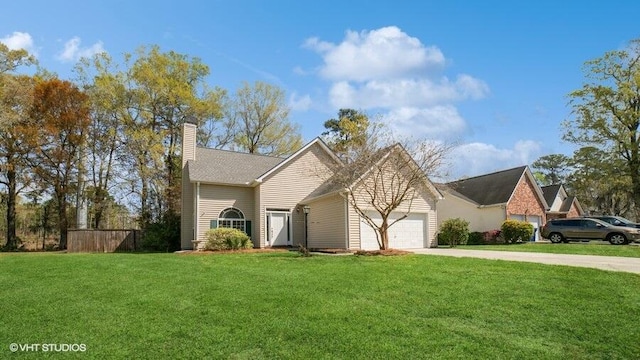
(534, 220)
(408, 233)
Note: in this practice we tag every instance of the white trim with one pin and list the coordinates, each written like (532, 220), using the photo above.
(196, 213)
(296, 154)
(346, 223)
(289, 226)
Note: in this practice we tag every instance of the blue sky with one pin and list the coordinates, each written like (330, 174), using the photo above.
(491, 76)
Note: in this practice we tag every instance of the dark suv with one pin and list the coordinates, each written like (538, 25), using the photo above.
(615, 220)
(563, 230)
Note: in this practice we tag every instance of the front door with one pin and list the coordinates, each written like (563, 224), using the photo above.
(278, 229)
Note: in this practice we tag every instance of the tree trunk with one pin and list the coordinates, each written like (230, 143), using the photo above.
(634, 170)
(384, 234)
(12, 239)
(62, 221)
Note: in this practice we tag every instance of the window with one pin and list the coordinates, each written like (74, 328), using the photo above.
(232, 218)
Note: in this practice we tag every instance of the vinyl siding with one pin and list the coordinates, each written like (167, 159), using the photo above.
(187, 196)
(186, 216)
(480, 219)
(215, 198)
(289, 185)
(354, 228)
(424, 202)
(326, 224)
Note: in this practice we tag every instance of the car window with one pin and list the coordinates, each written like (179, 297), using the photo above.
(589, 224)
(572, 223)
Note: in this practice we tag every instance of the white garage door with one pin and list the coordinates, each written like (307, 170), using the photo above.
(408, 233)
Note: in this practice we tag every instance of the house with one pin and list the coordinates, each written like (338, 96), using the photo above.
(561, 205)
(486, 201)
(287, 201)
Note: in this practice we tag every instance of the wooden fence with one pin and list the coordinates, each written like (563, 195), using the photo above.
(103, 240)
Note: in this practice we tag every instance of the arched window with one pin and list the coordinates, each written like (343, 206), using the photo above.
(232, 218)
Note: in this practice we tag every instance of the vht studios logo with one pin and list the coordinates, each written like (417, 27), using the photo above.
(48, 347)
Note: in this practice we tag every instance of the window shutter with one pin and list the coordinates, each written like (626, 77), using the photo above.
(213, 224)
(247, 227)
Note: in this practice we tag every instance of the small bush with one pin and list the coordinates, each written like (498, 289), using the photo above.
(515, 230)
(227, 239)
(476, 238)
(492, 237)
(454, 232)
(163, 235)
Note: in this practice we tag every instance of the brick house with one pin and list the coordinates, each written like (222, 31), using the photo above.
(561, 205)
(486, 201)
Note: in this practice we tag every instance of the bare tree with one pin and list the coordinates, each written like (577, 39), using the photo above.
(387, 176)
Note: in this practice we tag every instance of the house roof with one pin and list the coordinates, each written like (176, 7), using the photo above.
(550, 192)
(229, 167)
(566, 204)
(226, 167)
(489, 189)
(330, 186)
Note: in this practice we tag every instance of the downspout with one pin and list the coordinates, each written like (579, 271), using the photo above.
(344, 195)
(197, 212)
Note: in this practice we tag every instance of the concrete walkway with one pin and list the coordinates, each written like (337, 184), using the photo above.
(612, 263)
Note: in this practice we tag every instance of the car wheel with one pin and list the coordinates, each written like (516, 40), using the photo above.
(617, 239)
(556, 238)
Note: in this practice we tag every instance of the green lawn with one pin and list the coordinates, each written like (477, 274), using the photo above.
(281, 305)
(602, 249)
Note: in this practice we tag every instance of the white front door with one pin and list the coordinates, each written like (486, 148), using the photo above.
(278, 229)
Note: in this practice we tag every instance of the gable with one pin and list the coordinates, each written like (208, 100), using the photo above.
(490, 189)
(526, 199)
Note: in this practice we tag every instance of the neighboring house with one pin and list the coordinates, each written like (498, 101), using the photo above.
(561, 205)
(486, 201)
(285, 201)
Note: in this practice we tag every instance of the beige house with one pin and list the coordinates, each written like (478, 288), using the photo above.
(486, 201)
(287, 201)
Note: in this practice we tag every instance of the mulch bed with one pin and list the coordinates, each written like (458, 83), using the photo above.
(388, 252)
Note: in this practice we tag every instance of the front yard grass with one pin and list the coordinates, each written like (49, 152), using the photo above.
(594, 248)
(282, 305)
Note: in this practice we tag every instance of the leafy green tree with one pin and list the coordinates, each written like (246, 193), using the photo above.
(554, 168)
(346, 133)
(259, 119)
(16, 96)
(60, 116)
(599, 181)
(606, 111)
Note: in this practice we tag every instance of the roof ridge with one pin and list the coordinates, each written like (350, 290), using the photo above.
(239, 152)
(489, 174)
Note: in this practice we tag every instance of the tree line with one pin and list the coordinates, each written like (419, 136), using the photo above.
(604, 171)
(110, 138)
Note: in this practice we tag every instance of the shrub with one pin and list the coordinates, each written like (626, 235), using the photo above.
(516, 230)
(492, 237)
(476, 238)
(454, 232)
(227, 239)
(163, 235)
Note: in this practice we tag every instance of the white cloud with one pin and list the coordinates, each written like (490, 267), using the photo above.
(405, 92)
(73, 52)
(477, 158)
(435, 122)
(299, 103)
(379, 54)
(387, 71)
(20, 40)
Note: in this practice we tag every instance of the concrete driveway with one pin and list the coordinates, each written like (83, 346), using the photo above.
(612, 263)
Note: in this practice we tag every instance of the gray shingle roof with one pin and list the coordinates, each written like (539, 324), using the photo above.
(229, 167)
(550, 192)
(489, 189)
(566, 204)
